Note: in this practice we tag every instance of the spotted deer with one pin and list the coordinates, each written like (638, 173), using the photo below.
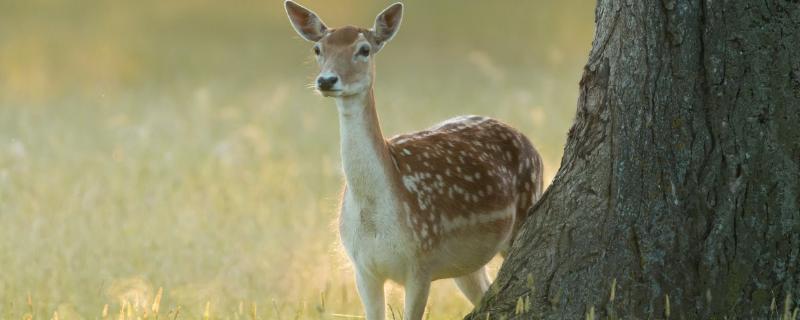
(433, 204)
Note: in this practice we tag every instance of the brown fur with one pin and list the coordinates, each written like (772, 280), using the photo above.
(470, 167)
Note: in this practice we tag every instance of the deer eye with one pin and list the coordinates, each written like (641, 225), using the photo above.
(316, 50)
(363, 51)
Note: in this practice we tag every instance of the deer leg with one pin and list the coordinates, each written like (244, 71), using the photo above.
(474, 285)
(370, 289)
(416, 297)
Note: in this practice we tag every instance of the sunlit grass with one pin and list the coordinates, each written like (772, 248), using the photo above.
(215, 206)
(169, 152)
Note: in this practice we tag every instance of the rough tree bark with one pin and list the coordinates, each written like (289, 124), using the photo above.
(681, 173)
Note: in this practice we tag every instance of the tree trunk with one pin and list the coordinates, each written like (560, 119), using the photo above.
(680, 179)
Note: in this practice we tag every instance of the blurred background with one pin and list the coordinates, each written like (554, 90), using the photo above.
(173, 144)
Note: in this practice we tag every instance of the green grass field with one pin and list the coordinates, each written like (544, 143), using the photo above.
(162, 144)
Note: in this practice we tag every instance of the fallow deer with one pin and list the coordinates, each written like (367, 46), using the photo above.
(434, 204)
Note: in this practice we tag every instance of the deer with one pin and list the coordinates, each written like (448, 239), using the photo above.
(434, 204)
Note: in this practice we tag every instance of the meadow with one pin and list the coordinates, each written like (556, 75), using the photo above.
(170, 152)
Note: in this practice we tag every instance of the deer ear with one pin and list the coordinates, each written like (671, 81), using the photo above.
(387, 23)
(307, 24)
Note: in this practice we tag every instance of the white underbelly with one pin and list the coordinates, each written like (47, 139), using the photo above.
(455, 258)
(468, 249)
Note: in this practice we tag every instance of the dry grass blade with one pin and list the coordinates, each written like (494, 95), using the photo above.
(613, 294)
(590, 315)
(177, 312)
(157, 302)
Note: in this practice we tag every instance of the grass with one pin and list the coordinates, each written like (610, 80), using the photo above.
(164, 160)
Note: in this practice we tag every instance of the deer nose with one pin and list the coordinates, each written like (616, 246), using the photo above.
(326, 83)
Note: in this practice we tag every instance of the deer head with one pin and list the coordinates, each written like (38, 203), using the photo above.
(345, 55)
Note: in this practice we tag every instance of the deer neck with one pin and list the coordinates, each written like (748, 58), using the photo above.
(368, 165)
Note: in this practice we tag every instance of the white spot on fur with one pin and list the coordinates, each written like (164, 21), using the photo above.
(459, 222)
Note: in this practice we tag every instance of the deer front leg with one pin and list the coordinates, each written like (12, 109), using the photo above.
(416, 290)
(370, 289)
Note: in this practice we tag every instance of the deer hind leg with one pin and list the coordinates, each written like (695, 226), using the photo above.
(474, 285)
(519, 219)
